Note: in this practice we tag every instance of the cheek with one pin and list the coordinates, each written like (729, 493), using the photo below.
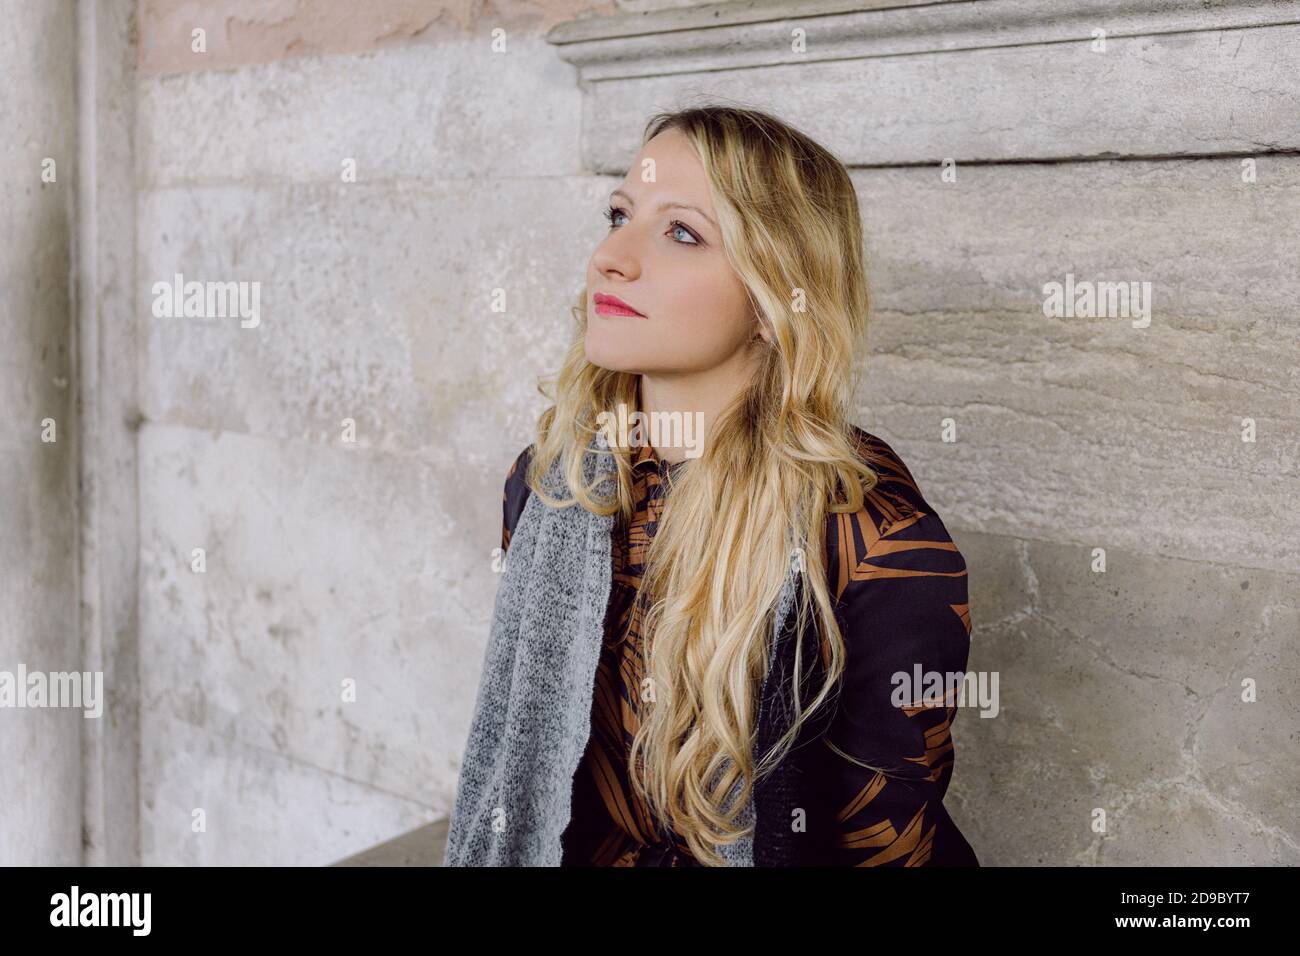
(708, 312)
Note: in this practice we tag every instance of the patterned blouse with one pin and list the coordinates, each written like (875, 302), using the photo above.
(900, 590)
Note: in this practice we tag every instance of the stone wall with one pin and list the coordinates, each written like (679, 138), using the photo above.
(334, 466)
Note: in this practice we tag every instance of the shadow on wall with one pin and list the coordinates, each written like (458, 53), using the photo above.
(423, 846)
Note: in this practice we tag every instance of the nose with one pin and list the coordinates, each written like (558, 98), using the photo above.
(617, 254)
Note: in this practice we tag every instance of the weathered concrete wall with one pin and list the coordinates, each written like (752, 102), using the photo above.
(368, 561)
(1169, 155)
(246, 32)
(109, 414)
(330, 561)
(69, 504)
(39, 748)
(332, 565)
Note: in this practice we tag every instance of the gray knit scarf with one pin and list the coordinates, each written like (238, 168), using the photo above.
(532, 716)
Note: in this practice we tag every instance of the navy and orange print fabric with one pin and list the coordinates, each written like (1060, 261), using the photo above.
(900, 591)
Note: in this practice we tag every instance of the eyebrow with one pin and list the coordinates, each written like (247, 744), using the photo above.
(670, 205)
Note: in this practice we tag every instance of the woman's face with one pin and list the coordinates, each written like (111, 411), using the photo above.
(669, 265)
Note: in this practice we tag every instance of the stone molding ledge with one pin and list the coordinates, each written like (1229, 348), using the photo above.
(891, 82)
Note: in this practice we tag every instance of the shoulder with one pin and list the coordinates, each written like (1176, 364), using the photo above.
(896, 534)
(896, 493)
(514, 494)
(898, 582)
(518, 470)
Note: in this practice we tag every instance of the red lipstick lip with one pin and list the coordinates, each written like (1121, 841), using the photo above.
(613, 305)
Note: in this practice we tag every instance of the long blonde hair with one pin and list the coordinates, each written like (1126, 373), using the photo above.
(774, 464)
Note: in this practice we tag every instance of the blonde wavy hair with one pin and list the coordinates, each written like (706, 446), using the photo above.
(774, 464)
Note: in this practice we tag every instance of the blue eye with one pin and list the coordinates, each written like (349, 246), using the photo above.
(677, 225)
(613, 212)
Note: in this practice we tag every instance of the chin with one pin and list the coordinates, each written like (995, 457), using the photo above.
(609, 356)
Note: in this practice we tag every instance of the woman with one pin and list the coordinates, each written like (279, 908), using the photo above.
(639, 702)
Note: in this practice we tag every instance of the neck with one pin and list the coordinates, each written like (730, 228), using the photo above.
(699, 397)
